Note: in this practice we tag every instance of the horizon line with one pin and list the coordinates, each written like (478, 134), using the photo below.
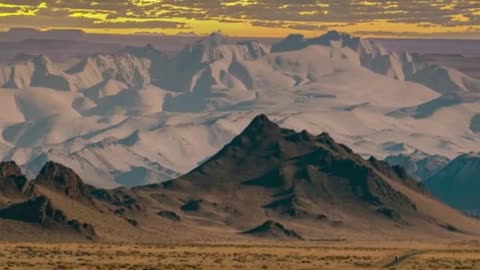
(201, 35)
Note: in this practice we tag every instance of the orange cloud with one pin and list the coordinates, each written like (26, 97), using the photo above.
(246, 17)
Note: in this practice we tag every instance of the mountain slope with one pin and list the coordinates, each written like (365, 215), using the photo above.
(56, 206)
(298, 179)
(267, 183)
(457, 183)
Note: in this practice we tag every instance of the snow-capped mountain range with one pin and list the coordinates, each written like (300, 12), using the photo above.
(139, 116)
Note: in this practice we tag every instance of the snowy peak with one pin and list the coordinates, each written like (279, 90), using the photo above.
(313, 83)
(216, 62)
(399, 66)
(204, 50)
(419, 164)
(123, 67)
(216, 47)
(37, 71)
(468, 157)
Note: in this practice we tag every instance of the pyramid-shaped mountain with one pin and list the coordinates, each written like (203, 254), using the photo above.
(298, 178)
(457, 183)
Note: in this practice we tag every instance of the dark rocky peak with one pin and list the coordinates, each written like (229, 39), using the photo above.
(41, 60)
(326, 40)
(60, 178)
(263, 140)
(12, 181)
(261, 130)
(9, 168)
(301, 137)
(298, 41)
(326, 139)
(275, 159)
(379, 164)
(396, 173)
(261, 123)
(291, 43)
(331, 36)
(272, 229)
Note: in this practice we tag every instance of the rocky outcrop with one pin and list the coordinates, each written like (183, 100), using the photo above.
(170, 215)
(273, 230)
(121, 197)
(41, 211)
(62, 179)
(13, 184)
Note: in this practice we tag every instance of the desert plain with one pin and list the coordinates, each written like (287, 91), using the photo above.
(245, 255)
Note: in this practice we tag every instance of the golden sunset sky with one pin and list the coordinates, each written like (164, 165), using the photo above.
(259, 18)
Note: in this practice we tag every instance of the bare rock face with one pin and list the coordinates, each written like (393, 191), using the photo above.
(62, 179)
(390, 213)
(121, 197)
(83, 228)
(272, 229)
(170, 215)
(13, 184)
(192, 205)
(38, 210)
(9, 168)
(41, 211)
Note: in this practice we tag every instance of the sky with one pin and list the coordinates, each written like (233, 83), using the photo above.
(258, 18)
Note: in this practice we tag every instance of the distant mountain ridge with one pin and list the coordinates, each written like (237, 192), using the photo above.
(175, 111)
(400, 66)
(418, 164)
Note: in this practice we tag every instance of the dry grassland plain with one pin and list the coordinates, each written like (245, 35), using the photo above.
(278, 255)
